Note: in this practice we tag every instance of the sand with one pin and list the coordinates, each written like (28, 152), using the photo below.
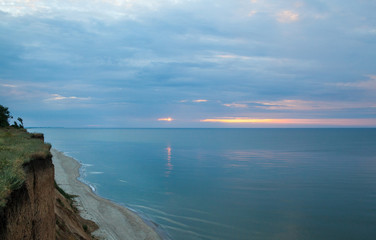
(115, 222)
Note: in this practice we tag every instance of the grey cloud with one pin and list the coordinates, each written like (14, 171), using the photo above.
(138, 63)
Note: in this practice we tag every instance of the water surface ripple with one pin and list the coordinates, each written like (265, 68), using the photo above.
(235, 183)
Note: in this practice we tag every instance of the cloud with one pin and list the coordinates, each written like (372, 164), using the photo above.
(329, 122)
(252, 13)
(150, 54)
(20, 91)
(236, 105)
(302, 105)
(194, 101)
(86, 10)
(366, 30)
(290, 105)
(9, 85)
(369, 84)
(57, 97)
(287, 16)
(232, 56)
(41, 91)
(262, 62)
(47, 8)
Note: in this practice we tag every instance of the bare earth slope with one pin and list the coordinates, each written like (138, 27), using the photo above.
(69, 224)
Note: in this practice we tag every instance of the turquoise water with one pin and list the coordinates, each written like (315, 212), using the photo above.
(234, 183)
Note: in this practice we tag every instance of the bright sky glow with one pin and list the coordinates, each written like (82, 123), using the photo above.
(333, 122)
(200, 100)
(126, 63)
(166, 119)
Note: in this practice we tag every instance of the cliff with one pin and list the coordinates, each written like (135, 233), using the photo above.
(32, 207)
(30, 212)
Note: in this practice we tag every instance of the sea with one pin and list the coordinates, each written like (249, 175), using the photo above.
(237, 184)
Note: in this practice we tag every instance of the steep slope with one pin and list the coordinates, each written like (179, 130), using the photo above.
(69, 224)
(30, 210)
(32, 206)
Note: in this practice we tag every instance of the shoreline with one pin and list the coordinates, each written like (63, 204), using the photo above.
(115, 222)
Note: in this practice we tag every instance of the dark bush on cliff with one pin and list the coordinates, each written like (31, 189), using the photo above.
(5, 116)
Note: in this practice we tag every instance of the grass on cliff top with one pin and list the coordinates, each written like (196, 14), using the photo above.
(17, 147)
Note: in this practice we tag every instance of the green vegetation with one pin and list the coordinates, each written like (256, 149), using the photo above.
(69, 197)
(85, 227)
(17, 147)
(66, 195)
(60, 202)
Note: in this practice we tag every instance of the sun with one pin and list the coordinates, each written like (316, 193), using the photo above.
(169, 119)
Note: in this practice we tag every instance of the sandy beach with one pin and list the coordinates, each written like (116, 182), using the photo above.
(115, 222)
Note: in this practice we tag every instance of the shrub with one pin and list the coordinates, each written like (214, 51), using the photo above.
(4, 116)
(62, 192)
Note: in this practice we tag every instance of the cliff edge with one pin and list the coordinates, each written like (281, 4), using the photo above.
(29, 212)
(31, 206)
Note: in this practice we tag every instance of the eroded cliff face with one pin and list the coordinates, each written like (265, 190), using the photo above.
(36, 209)
(69, 224)
(29, 213)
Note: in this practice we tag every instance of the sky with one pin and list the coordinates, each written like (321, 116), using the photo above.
(189, 63)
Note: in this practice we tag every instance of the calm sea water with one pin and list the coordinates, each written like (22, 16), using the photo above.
(235, 183)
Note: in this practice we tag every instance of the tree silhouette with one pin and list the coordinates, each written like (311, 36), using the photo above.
(4, 116)
(15, 125)
(21, 122)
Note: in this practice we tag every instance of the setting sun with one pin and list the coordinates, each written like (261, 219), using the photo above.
(166, 119)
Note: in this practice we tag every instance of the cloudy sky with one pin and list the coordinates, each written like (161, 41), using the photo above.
(189, 63)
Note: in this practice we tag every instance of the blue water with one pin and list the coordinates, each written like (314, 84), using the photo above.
(235, 183)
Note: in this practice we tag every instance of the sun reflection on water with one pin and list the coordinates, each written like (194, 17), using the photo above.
(169, 165)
